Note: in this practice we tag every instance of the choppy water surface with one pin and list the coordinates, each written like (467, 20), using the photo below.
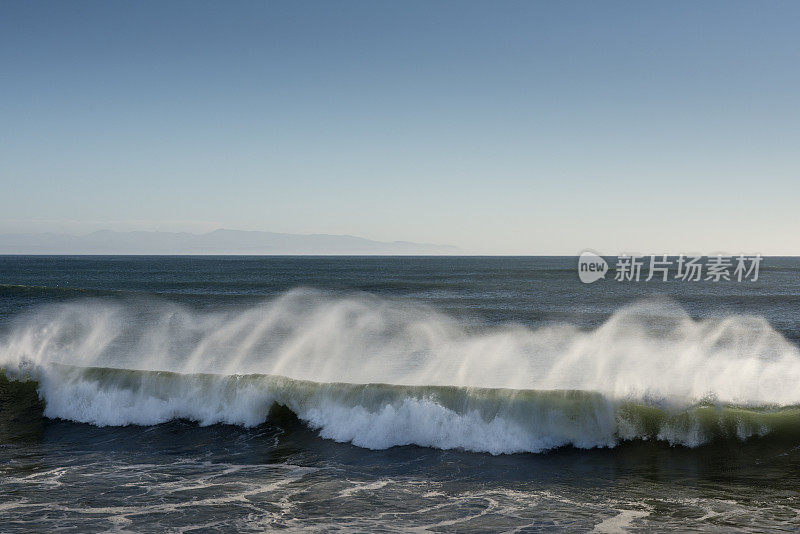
(441, 394)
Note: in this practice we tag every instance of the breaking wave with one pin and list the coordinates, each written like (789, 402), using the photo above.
(378, 372)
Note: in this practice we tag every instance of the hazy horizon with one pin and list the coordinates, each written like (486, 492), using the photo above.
(228, 241)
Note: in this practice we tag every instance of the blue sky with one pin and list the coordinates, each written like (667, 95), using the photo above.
(499, 127)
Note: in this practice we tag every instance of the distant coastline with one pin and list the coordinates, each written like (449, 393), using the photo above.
(217, 242)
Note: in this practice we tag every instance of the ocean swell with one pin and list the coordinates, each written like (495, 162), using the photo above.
(380, 373)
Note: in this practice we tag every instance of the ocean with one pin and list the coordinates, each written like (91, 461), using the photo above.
(394, 394)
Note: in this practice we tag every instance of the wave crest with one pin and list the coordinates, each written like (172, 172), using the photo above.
(378, 372)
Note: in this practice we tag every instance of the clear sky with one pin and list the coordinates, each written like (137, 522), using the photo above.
(498, 127)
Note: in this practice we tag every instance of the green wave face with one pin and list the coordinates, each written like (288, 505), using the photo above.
(378, 416)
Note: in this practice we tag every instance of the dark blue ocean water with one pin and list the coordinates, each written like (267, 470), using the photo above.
(118, 448)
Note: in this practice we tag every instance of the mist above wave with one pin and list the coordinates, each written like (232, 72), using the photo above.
(650, 349)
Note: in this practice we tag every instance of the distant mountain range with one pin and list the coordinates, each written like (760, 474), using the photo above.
(216, 242)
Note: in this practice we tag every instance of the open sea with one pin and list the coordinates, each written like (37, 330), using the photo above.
(386, 394)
